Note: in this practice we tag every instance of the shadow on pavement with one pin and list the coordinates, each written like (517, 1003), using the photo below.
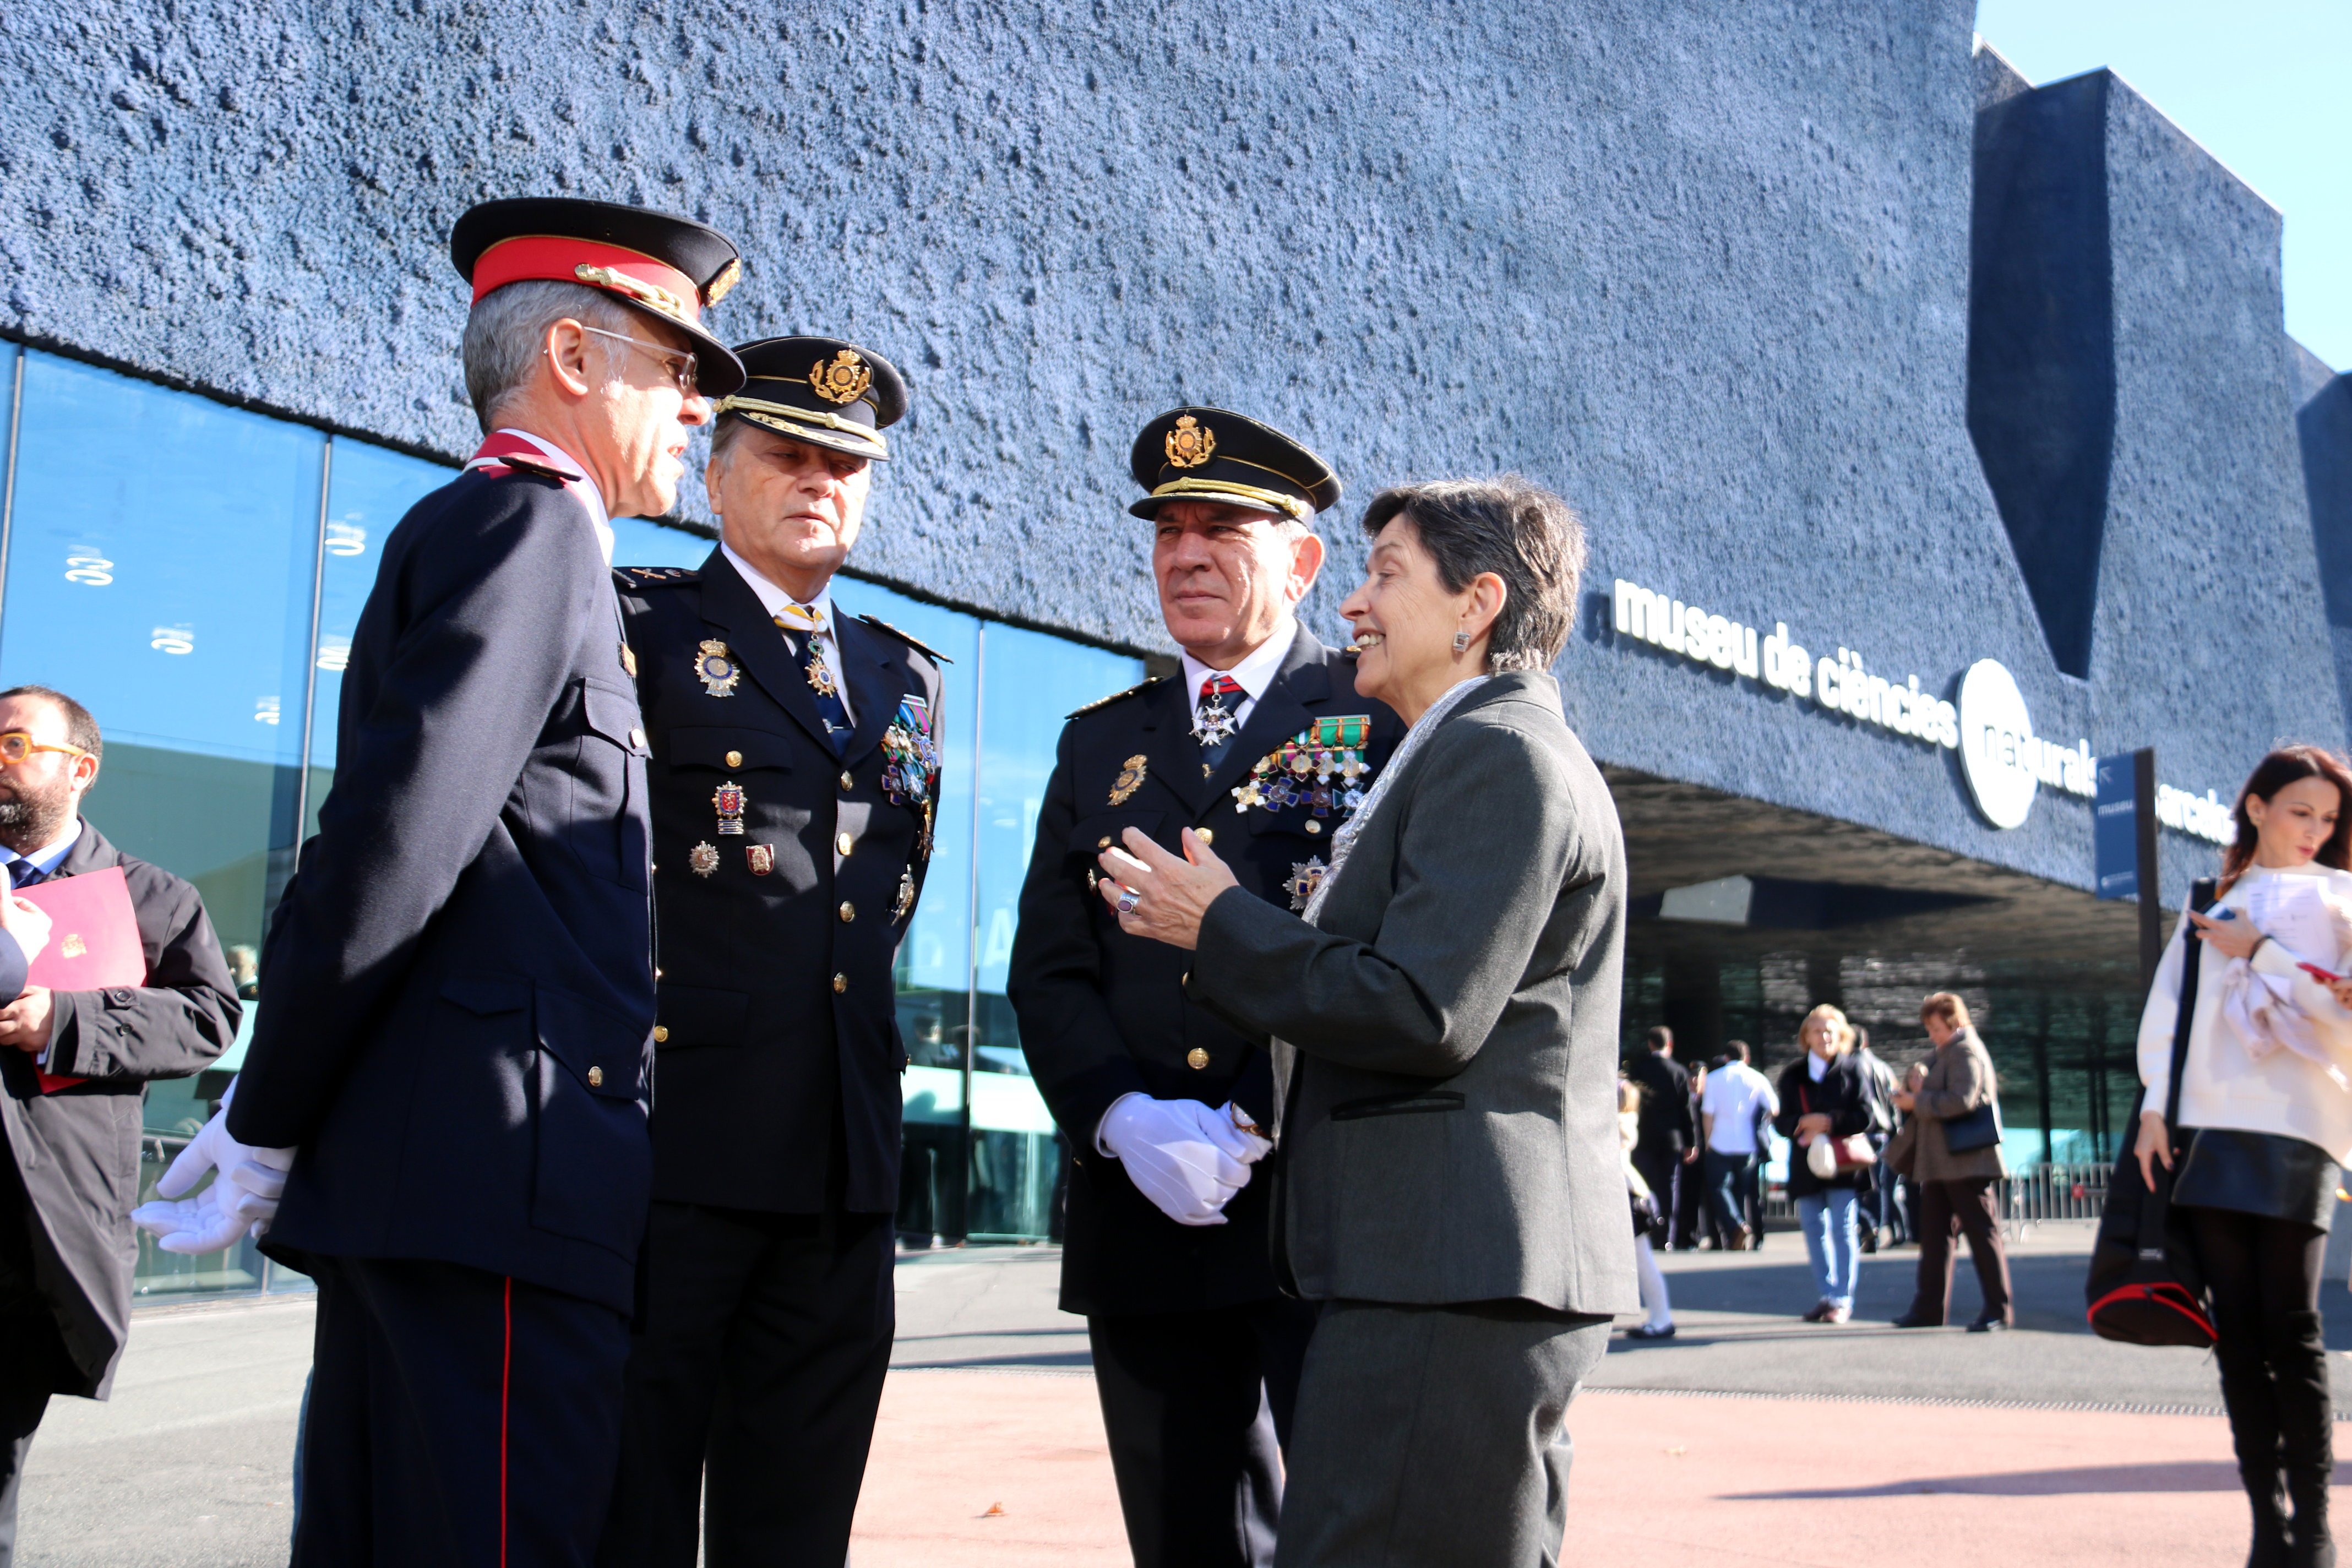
(2092, 1478)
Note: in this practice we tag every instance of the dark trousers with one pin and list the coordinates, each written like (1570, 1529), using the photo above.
(752, 1386)
(2265, 1279)
(1197, 1407)
(456, 1419)
(1662, 1169)
(1726, 1192)
(1947, 1210)
(34, 1362)
(1434, 1437)
(1751, 1199)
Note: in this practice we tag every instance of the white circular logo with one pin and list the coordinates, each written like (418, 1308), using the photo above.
(1994, 729)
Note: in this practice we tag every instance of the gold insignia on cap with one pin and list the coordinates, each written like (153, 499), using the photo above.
(1190, 444)
(729, 276)
(843, 381)
(1131, 779)
(652, 296)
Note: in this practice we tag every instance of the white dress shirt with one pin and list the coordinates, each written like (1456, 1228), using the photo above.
(773, 599)
(46, 859)
(1253, 674)
(590, 496)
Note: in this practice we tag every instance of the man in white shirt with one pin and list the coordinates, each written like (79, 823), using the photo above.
(1737, 1098)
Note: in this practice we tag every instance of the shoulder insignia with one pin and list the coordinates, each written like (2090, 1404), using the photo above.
(1106, 702)
(916, 643)
(540, 467)
(655, 576)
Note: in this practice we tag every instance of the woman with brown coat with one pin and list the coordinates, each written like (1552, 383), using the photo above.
(1957, 1191)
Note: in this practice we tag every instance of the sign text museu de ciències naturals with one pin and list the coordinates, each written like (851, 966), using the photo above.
(2003, 760)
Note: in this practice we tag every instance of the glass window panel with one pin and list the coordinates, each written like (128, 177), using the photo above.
(641, 541)
(1032, 682)
(368, 490)
(934, 972)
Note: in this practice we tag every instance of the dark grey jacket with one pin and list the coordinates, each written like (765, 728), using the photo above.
(1445, 1057)
(78, 1148)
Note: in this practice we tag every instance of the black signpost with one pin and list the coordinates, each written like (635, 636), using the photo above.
(2123, 833)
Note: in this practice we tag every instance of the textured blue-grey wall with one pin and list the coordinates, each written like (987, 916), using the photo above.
(1709, 280)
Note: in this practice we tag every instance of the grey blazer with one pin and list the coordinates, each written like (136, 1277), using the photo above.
(1446, 1045)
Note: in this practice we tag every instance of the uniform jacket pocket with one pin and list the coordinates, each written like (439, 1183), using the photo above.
(727, 750)
(1416, 1103)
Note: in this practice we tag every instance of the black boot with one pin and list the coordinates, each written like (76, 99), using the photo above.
(2253, 1402)
(2307, 1419)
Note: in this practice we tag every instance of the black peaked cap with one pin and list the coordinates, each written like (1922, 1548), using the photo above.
(1216, 454)
(828, 392)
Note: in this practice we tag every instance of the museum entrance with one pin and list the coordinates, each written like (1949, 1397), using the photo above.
(1745, 916)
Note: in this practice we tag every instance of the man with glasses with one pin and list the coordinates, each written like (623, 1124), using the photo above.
(73, 1067)
(795, 787)
(1264, 747)
(455, 1025)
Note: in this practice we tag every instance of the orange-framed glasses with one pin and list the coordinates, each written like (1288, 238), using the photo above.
(15, 745)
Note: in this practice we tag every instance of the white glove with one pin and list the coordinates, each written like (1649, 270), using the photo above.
(242, 1197)
(1187, 1158)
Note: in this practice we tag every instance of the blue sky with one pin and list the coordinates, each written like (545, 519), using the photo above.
(2264, 87)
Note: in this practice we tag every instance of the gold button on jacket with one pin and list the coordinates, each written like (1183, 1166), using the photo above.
(848, 911)
(595, 1077)
(1205, 835)
(661, 1034)
(734, 759)
(1196, 1058)
(842, 842)
(840, 984)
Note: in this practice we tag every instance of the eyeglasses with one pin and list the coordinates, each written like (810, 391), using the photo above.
(682, 367)
(15, 746)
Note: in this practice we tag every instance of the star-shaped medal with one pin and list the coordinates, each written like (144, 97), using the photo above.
(1212, 725)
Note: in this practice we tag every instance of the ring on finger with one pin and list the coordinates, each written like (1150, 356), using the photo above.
(1128, 900)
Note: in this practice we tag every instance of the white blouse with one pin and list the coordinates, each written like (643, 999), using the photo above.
(2269, 1048)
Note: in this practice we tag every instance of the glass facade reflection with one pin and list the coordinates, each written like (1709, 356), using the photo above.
(195, 573)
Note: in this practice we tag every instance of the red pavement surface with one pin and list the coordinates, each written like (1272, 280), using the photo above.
(1659, 1480)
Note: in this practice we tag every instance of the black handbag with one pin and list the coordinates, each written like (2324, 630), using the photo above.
(2145, 1286)
(1980, 1129)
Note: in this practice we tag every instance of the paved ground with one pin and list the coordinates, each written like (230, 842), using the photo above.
(1750, 1438)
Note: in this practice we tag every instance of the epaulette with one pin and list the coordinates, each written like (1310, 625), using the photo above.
(544, 468)
(918, 644)
(1106, 702)
(655, 576)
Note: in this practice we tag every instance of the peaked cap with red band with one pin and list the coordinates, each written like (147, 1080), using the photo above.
(670, 267)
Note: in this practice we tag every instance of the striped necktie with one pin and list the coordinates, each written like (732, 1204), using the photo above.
(808, 622)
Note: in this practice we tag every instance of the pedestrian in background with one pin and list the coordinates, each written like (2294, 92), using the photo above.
(1665, 1142)
(1657, 1309)
(1694, 1225)
(1728, 1107)
(1877, 1189)
(1957, 1189)
(2265, 1126)
(1821, 1096)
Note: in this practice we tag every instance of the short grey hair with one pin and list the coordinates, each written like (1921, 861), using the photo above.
(508, 325)
(1519, 531)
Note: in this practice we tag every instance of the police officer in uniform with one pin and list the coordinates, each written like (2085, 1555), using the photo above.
(1262, 746)
(794, 776)
(455, 1033)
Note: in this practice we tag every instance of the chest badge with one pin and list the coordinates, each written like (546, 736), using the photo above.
(716, 668)
(1131, 779)
(727, 800)
(1304, 879)
(906, 896)
(761, 858)
(702, 859)
(1321, 767)
(910, 756)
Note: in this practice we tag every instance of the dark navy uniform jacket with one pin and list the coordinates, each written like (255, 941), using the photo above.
(77, 1149)
(1102, 1013)
(456, 994)
(779, 1052)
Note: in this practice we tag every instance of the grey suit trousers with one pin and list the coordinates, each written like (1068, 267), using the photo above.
(1433, 1437)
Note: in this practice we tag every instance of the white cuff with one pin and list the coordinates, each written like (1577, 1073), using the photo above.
(1105, 1150)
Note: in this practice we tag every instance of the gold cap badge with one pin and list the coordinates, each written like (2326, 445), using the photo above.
(844, 380)
(1190, 444)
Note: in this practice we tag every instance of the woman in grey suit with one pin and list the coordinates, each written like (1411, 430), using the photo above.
(1444, 1020)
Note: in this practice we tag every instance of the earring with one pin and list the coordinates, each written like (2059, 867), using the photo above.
(1461, 642)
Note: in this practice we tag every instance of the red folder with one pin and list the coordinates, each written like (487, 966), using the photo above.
(93, 939)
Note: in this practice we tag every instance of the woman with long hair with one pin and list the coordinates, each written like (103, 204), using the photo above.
(1657, 1306)
(2265, 1126)
(1823, 1095)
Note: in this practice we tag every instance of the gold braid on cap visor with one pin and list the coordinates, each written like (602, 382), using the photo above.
(1227, 490)
(808, 417)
